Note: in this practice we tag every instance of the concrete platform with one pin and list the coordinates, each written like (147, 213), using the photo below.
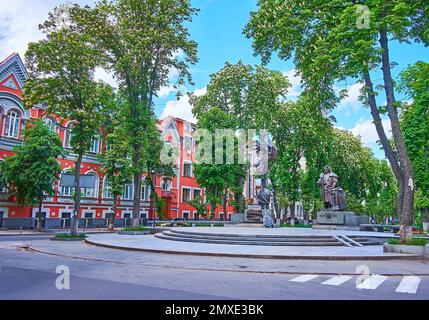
(150, 243)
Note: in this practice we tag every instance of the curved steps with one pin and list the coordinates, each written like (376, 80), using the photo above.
(259, 240)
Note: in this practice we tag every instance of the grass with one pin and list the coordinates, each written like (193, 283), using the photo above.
(69, 236)
(299, 225)
(412, 242)
(137, 229)
(208, 225)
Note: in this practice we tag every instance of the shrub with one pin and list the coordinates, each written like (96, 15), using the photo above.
(69, 236)
(412, 242)
(137, 229)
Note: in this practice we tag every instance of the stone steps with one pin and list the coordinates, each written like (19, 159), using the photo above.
(253, 243)
(258, 240)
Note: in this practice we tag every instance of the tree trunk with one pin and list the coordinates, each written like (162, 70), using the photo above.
(135, 221)
(113, 213)
(75, 218)
(39, 226)
(212, 209)
(225, 205)
(406, 199)
(292, 214)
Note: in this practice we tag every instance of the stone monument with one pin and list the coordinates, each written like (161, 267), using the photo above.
(334, 202)
(261, 212)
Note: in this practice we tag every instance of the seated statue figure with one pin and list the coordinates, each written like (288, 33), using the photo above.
(334, 197)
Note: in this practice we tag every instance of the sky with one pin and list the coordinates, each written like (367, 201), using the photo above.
(218, 31)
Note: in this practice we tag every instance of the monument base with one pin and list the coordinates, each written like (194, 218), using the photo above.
(340, 218)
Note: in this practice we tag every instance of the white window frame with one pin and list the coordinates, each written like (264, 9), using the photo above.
(13, 120)
(192, 169)
(129, 190)
(95, 145)
(107, 194)
(201, 193)
(94, 193)
(188, 212)
(190, 194)
(51, 124)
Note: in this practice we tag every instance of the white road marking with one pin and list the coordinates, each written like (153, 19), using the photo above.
(409, 284)
(337, 280)
(304, 278)
(372, 283)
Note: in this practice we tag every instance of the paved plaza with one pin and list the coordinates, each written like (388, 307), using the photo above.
(104, 273)
(150, 243)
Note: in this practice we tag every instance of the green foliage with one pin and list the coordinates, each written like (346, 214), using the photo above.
(160, 205)
(31, 172)
(412, 242)
(70, 236)
(137, 229)
(217, 179)
(249, 94)
(415, 126)
(201, 207)
(141, 41)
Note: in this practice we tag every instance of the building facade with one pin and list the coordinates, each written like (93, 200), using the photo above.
(97, 201)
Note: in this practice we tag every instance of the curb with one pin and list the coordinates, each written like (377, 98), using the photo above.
(255, 256)
(228, 270)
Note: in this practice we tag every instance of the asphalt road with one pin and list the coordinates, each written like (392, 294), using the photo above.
(101, 273)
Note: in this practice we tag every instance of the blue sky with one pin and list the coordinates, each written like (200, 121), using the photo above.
(218, 31)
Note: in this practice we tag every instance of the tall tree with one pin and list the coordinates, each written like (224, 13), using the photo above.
(333, 40)
(34, 168)
(299, 131)
(415, 125)
(114, 159)
(142, 42)
(217, 178)
(251, 95)
(61, 69)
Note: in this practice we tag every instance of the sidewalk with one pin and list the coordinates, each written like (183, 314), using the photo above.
(152, 244)
(50, 232)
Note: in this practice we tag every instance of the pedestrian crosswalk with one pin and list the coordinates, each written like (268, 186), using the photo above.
(407, 284)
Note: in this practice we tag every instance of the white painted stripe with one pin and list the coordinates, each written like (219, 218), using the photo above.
(409, 284)
(372, 283)
(304, 278)
(337, 280)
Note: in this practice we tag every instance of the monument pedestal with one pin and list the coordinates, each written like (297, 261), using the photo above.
(340, 218)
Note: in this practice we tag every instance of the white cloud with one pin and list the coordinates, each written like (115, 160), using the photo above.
(182, 108)
(351, 103)
(20, 21)
(295, 81)
(366, 130)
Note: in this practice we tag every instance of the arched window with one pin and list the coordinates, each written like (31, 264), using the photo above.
(107, 192)
(165, 185)
(128, 192)
(66, 191)
(95, 144)
(51, 124)
(91, 192)
(69, 135)
(12, 124)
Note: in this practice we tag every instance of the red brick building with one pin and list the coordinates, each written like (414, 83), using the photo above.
(96, 202)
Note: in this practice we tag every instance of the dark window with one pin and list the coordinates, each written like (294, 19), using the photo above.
(186, 197)
(187, 169)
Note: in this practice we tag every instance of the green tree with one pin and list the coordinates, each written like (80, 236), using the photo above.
(61, 77)
(199, 204)
(217, 178)
(115, 162)
(415, 125)
(33, 169)
(334, 40)
(251, 95)
(299, 131)
(141, 41)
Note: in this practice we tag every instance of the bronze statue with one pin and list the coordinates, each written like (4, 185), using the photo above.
(334, 197)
